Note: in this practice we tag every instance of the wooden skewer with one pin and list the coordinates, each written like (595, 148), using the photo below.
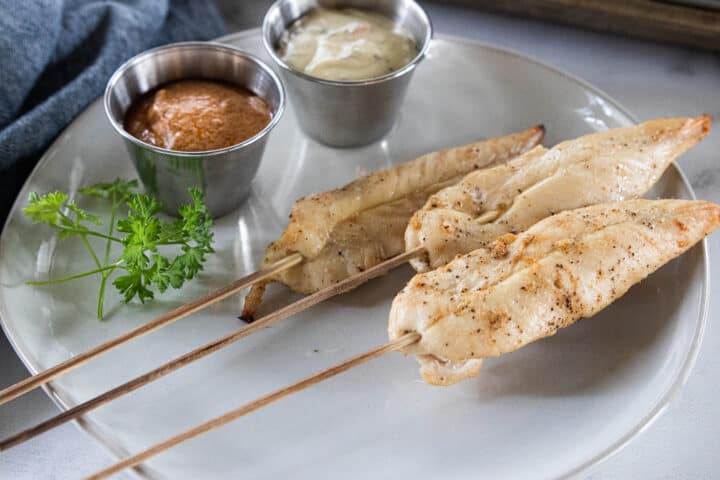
(207, 349)
(43, 377)
(405, 340)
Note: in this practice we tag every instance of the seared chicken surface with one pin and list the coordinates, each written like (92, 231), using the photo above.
(345, 231)
(610, 166)
(525, 287)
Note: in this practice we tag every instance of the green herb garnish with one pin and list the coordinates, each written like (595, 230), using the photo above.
(146, 238)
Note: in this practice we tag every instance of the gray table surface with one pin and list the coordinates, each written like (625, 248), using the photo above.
(651, 80)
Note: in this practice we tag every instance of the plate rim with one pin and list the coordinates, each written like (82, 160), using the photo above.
(146, 473)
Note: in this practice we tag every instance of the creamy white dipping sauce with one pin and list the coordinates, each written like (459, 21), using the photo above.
(346, 44)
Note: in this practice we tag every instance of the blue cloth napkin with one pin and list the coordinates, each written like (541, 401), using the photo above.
(56, 57)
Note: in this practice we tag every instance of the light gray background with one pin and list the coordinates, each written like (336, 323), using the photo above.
(651, 80)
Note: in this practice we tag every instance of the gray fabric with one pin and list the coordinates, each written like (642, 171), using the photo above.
(56, 56)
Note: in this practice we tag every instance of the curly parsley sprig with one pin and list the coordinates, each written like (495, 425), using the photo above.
(145, 237)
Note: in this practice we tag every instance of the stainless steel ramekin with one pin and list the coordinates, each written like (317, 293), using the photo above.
(347, 113)
(225, 174)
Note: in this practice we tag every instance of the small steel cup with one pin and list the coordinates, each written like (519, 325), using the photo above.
(347, 113)
(225, 174)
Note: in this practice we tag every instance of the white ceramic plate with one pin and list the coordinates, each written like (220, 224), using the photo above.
(549, 410)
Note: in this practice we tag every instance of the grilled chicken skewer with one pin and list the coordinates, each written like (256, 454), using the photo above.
(547, 278)
(345, 231)
(669, 133)
(610, 166)
(420, 174)
(525, 287)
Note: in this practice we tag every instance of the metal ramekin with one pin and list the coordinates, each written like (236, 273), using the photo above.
(225, 174)
(347, 113)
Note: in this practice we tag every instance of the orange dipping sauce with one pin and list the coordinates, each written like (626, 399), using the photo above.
(197, 115)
